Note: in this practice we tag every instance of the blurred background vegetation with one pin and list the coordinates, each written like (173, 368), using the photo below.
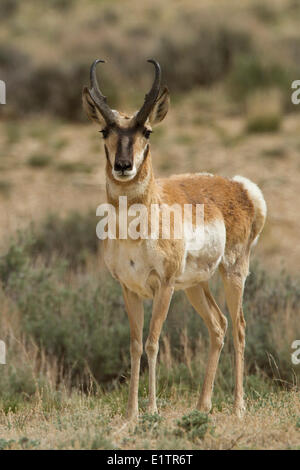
(46, 47)
(229, 67)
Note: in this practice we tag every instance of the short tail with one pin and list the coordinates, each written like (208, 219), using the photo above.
(259, 203)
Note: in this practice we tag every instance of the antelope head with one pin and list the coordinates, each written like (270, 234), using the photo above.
(126, 138)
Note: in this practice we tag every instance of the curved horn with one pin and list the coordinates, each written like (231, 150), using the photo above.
(98, 97)
(151, 96)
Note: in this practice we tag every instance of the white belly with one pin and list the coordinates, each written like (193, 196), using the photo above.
(200, 264)
(133, 262)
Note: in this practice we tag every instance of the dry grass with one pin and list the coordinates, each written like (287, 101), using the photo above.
(264, 111)
(83, 422)
(40, 401)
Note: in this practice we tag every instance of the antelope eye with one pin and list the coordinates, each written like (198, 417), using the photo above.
(147, 133)
(104, 133)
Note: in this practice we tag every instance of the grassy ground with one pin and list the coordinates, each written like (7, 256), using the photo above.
(66, 331)
(89, 422)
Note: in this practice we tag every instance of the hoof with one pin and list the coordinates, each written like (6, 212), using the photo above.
(239, 410)
(204, 407)
(132, 416)
(152, 409)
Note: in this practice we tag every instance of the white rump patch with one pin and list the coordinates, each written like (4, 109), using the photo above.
(255, 194)
(256, 197)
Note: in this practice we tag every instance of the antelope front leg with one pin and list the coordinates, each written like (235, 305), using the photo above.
(135, 311)
(160, 309)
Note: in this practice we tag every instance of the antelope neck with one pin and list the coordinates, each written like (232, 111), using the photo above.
(140, 190)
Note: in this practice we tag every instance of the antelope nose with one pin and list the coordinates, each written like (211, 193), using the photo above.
(123, 165)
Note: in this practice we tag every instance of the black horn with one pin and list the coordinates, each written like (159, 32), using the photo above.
(151, 96)
(98, 97)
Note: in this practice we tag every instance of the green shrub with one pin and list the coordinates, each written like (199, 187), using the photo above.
(68, 322)
(39, 160)
(148, 423)
(275, 152)
(74, 167)
(7, 9)
(202, 56)
(71, 238)
(264, 111)
(61, 4)
(6, 444)
(264, 124)
(78, 322)
(196, 47)
(5, 187)
(194, 424)
(249, 74)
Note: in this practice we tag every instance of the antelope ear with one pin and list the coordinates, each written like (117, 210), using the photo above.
(161, 107)
(91, 108)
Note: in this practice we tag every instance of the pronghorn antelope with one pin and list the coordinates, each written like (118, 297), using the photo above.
(234, 215)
